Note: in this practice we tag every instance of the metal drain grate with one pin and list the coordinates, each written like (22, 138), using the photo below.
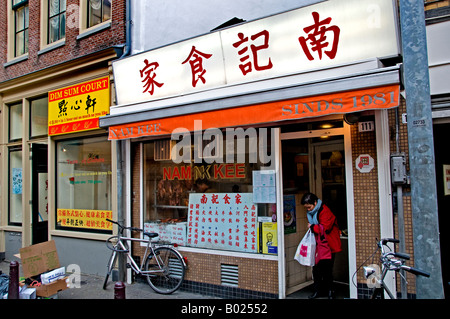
(176, 268)
(229, 275)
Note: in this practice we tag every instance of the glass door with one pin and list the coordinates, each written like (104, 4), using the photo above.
(330, 179)
(329, 182)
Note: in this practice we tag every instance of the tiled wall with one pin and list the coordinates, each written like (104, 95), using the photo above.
(365, 188)
(257, 278)
(367, 217)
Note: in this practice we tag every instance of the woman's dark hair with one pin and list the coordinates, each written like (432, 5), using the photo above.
(309, 198)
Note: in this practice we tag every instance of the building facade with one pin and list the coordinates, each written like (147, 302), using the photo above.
(56, 163)
(321, 121)
(209, 131)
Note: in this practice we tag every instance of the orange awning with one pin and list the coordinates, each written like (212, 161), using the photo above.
(383, 97)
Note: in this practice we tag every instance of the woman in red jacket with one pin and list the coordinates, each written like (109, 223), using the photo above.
(319, 214)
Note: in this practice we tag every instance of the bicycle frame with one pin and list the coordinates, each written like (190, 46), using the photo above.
(148, 252)
(379, 290)
(156, 263)
(133, 264)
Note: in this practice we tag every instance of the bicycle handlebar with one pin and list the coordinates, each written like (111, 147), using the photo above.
(401, 255)
(124, 227)
(416, 271)
(384, 241)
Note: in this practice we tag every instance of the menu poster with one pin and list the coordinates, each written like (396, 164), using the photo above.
(225, 221)
(173, 233)
(264, 190)
(289, 216)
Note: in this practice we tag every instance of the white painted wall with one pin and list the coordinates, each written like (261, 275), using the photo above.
(156, 23)
(439, 57)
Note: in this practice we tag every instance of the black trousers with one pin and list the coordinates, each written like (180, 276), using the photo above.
(323, 275)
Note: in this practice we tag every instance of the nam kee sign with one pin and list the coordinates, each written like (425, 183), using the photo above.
(319, 36)
(214, 171)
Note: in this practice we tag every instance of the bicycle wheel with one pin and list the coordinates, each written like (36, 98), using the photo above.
(169, 270)
(110, 266)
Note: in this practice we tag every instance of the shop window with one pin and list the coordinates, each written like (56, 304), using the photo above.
(15, 187)
(56, 20)
(15, 122)
(39, 117)
(21, 23)
(98, 11)
(213, 198)
(83, 184)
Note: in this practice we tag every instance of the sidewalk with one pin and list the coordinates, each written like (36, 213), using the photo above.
(92, 288)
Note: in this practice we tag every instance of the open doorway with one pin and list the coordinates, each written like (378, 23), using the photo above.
(39, 180)
(313, 164)
(442, 156)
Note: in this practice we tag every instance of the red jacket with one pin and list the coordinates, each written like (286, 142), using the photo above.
(329, 223)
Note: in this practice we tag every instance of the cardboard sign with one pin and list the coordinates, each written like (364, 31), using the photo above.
(39, 258)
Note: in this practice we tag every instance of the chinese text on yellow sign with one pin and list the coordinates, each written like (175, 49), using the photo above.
(77, 108)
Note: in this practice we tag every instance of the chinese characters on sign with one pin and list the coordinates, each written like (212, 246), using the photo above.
(246, 65)
(317, 38)
(248, 49)
(321, 36)
(226, 221)
(77, 108)
(148, 74)
(195, 59)
(81, 218)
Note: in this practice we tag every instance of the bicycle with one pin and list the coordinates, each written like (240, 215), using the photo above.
(390, 261)
(163, 265)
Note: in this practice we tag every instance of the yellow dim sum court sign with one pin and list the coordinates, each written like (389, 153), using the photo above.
(77, 108)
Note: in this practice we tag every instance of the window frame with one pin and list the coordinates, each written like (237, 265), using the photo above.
(149, 163)
(88, 17)
(57, 187)
(20, 138)
(31, 136)
(23, 4)
(49, 18)
(10, 151)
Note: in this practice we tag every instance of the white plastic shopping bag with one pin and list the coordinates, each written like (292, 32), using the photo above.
(306, 250)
